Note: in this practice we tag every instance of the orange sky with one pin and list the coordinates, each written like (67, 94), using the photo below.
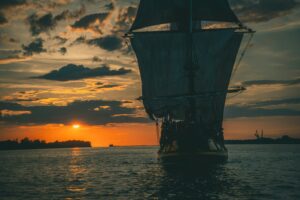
(145, 134)
(122, 134)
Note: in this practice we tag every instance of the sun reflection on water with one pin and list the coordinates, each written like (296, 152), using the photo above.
(77, 172)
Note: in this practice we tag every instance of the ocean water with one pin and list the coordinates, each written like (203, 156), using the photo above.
(252, 172)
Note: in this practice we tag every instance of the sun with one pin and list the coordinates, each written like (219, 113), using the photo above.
(76, 126)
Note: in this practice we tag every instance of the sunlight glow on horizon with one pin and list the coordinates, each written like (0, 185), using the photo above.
(76, 126)
(145, 134)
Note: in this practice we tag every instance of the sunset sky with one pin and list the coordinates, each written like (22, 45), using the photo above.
(65, 63)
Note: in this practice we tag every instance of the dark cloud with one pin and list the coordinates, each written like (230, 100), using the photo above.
(88, 20)
(41, 24)
(60, 40)
(110, 6)
(3, 19)
(13, 40)
(79, 40)
(99, 83)
(62, 50)
(67, 14)
(109, 43)
(47, 22)
(88, 1)
(124, 19)
(52, 4)
(88, 112)
(272, 82)
(262, 10)
(237, 112)
(10, 106)
(100, 86)
(108, 86)
(35, 47)
(265, 108)
(21, 99)
(261, 109)
(76, 72)
(11, 3)
(96, 59)
(277, 102)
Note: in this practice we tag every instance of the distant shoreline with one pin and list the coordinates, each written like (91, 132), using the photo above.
(40, 144)
(25, 143)
(262, 140)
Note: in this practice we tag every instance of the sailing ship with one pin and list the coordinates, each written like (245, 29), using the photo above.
(186, 51)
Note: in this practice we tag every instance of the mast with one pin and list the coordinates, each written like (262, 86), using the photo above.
(190, 63)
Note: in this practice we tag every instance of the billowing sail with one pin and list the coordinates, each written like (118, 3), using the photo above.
(163, 64)
(155, 12)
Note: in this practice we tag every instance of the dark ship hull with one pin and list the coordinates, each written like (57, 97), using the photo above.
(194, 157)
(181, 142)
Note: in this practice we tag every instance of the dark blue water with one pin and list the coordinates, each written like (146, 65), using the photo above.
(252, 172)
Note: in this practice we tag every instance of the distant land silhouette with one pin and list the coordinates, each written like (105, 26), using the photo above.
(264, 140)
(41, 144)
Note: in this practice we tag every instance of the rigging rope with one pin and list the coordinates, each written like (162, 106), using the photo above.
(242, 54)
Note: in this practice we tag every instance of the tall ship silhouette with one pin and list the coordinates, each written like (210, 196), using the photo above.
(186, 52)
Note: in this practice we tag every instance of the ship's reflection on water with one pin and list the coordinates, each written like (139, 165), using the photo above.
(197, 181)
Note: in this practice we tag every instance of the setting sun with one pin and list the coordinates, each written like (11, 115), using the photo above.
(76, 126)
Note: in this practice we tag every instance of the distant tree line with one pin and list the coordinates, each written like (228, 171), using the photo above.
(26, 143)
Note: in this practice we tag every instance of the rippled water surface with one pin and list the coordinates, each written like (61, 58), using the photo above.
(252, 172)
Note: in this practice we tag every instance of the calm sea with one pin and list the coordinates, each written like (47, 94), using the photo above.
(252, 172)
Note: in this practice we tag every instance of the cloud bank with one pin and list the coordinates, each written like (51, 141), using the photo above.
(262, 10)
(35, 47)
(271, 82)
(88, 112)
(87, 20)
(11, 3)
(263, 109)
(47, 22)
(76, 72)
(109, 43)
